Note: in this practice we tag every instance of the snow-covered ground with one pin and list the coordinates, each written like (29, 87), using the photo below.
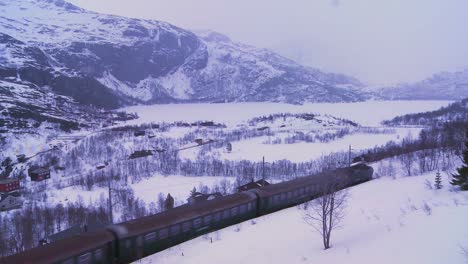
(147, 189)
(385, 223)
(369, 113)
(254, 149)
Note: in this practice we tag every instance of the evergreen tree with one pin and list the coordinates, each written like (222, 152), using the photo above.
(169, 202)
(461, 178)
(438, 181)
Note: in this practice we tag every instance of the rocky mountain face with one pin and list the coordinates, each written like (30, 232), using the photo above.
(107, 61)
(441, 86)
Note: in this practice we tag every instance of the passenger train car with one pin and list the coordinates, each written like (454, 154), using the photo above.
(135, 239)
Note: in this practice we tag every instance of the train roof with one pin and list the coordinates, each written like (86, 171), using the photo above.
(301, 182)
(181, 214)
(62, 249)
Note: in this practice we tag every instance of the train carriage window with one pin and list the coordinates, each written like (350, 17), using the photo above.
(151, 237)
(226, 214)
(234, 211)
(283, 196)
(243, 209)
(217, 217)
(276, 199)
(197, 222)
(253, 205)
(289, 195)
(84, 259)
(249, 206)
(98, 254)
(175, 230)
(186, 227)
(163, 233)
(296, 193)
(207, 219)
(139, 241)
(128, 243)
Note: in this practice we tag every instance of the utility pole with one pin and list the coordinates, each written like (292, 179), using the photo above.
(263, 168)
(349, 156)
(111, 218)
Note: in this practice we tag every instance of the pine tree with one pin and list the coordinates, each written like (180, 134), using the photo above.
(461, 178)
(438, 181)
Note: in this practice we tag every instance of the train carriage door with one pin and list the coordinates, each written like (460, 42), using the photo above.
(139, 246)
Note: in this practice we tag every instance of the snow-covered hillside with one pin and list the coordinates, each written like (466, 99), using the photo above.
(440, 86)
(148, 61)
(387, 221)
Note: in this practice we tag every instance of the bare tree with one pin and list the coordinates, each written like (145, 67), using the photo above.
(407, 161)
(326, 212)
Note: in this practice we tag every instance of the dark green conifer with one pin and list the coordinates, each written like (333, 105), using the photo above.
(461, 178)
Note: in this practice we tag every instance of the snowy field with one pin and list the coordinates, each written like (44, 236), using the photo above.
(385, 223)
(369, 113)
(254, 149)
(147, 189)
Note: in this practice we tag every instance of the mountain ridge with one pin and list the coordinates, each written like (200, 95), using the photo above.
(141, 61)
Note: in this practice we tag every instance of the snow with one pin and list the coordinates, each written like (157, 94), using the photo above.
(141, 92)
(177, 84)
(369, 113)
(43, 21)
(385, 223)
(147, 190)
(255, 149)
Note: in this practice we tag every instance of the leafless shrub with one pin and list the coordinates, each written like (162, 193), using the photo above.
(426, 208)
(428, 184)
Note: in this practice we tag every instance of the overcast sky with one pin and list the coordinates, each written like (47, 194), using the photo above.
(377, 41)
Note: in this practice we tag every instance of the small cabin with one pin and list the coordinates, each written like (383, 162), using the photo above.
(38, 174)
(200, 197)
(139, 133)
(199, 141)
(9, 185)
(21, 158)
(252, 185)
(10, 201)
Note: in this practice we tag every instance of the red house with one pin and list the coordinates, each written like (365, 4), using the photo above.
(39, 173)
(9, 185)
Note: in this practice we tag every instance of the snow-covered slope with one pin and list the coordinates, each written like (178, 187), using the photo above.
(387, 221)
(148, 61)
(441, 86)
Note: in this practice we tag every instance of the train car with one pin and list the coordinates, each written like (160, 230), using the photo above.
(89, 248)
(286, 194)
(146, 236)
(361, 173)
(278, 196)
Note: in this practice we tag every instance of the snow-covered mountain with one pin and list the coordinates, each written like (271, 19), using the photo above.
(441, 86)
(110, 61)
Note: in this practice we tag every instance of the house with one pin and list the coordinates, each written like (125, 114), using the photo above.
(200, 197)
(139, 133)
(252, 185)
(9, 201)
(39, 173)
(9, 185)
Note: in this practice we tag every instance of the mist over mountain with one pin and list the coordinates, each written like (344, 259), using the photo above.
(110, 61)
(440, 86)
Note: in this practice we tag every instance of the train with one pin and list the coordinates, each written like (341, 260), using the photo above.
(132, 240)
